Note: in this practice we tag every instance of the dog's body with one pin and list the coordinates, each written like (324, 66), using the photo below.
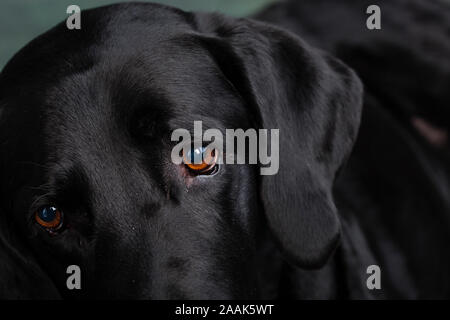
(393, 196)
(85, 122)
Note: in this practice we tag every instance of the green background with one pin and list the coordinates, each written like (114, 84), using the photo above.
(23, 20)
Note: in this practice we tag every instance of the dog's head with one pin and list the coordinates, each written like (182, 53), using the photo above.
(85, 136)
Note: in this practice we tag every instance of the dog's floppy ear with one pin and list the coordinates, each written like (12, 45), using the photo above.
(20, 275)
(315, 101)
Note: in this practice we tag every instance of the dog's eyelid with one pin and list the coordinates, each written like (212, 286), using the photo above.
(41, 201)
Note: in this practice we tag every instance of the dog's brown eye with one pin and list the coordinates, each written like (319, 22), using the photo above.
(49, 218)
(200, 160)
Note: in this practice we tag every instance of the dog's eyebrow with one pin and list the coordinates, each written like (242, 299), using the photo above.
(62, 182)
(41, 199)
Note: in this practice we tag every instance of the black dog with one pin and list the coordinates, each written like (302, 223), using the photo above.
(85, 123)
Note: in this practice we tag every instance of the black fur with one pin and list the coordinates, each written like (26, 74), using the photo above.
(85, 124)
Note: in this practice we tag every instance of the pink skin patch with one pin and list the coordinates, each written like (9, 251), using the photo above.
(436, 136)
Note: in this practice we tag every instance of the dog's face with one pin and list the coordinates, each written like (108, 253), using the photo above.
(85, 123)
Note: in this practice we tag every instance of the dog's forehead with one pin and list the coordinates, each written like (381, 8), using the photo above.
(168, 76)
(134, 55)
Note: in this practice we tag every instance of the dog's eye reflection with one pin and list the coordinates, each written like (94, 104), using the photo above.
(50, 218)
(201, 161)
